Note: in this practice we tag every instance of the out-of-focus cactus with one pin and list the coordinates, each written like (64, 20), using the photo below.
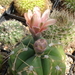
(37, 56)
(11, 32)
(23, 6)
(63, 30)
(70, 4)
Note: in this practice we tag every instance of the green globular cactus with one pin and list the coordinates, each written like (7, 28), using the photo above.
(22, 6)
(24, 60)
(11, 32)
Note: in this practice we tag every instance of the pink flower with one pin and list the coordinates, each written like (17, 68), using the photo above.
(38, 22)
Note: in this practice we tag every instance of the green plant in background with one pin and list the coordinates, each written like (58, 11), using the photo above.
(5, 2)
(63, 30)
(36, 55)
(12, 32)
(70, 4)
(22, 6)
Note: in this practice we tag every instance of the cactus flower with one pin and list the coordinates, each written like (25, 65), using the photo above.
(38, 22)
(40, 45)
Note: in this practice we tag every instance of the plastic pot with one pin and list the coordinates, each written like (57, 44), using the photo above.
(10, 14)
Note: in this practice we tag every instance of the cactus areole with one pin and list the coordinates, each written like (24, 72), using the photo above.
(37, 56)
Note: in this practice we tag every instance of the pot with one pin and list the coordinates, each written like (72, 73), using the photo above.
(10, 14)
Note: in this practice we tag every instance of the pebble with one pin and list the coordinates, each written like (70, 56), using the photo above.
(69, 62)
(2, 9)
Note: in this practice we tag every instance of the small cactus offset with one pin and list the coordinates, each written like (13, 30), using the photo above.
(11, 32)
(37, 56)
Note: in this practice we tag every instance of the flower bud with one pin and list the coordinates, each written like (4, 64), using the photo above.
(40, 46)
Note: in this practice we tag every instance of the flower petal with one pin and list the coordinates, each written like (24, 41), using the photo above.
(45, 15)
(37, 11)
(36, 23)
(43, 29)
(49, 22)
(36, 29)
(30, 14)
(36, 18)
(28, 17)
(46, 24)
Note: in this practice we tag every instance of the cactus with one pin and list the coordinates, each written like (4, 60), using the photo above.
(63, 30)
(25, 61)
(70, 4)
(22, 6)
(11, 32)
(37, 56)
